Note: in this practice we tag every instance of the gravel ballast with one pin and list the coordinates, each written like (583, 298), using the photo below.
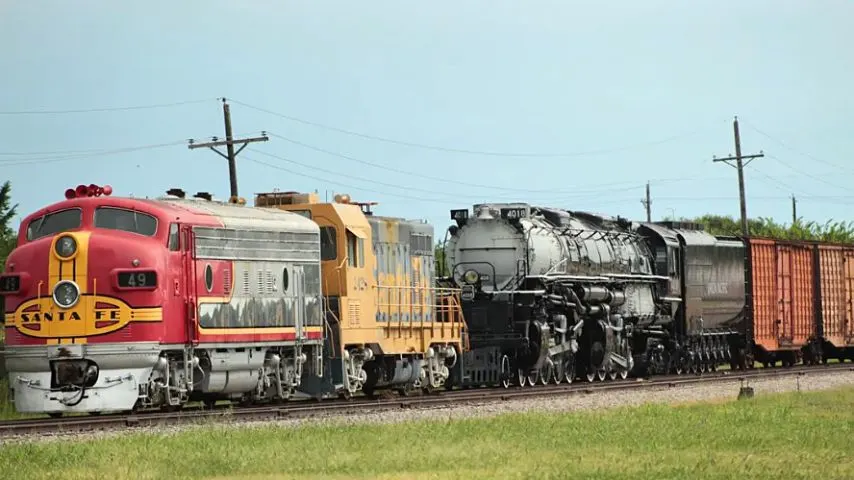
(714, 391)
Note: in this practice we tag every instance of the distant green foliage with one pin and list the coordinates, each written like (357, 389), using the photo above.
(439, 256)
(835, 232)
(7, 214)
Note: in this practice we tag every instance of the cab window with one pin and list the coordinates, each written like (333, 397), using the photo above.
(125, 220)
(355, 250)
(328, 243)
(53, 223)
(174, 239)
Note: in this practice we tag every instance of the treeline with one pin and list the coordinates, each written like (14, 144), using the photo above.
(830, 231)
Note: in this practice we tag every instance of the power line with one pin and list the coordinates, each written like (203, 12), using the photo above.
(455, 199)
(788, 147)
(807, 174)
(630, 184)
(102, 109)
(462, 150)
(345, 185)
(36, 161)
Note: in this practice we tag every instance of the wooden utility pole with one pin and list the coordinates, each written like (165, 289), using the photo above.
(647, 203)
(229, 143)
(794, 210)
(739, 165)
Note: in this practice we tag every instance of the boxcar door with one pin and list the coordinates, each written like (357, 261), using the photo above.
(785, 293)
(298, 282)
(848, 287)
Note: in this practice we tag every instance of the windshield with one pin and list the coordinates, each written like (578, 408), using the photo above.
(125, 220)
(53, 223)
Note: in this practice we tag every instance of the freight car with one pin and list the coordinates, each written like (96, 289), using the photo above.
(116, 304)
(550, 293)
(802, 299)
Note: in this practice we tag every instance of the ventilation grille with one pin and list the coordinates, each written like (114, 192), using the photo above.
(226, 281)
(355, 310)
(246, 287)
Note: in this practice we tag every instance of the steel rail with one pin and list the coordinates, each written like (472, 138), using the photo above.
(310, 408)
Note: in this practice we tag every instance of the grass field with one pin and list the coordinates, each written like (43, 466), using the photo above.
(797, 435)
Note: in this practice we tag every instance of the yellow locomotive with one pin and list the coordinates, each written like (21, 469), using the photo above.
(387, 325)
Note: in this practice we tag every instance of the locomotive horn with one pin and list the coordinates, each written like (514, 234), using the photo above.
(107, 190)
(70, 193)
(93, 190)
(81, 191)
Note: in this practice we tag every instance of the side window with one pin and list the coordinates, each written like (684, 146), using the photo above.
(174, 239)
(328, 243)
(361, 251)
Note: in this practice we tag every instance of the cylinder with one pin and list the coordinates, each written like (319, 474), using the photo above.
(594, 294)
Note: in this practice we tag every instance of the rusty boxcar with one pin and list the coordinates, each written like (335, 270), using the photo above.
(782, 283)
(835, 291)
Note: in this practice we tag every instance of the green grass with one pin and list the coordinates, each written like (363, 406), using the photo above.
(806, 435)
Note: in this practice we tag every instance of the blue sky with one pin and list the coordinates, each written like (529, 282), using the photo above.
(648, 89)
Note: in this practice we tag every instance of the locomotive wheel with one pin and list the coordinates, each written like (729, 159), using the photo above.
(624, 373)
(601, 373)
(612, 374)
(569, 369)
(546, 374)
(533, 377)
(590, 375)
(505, 371)
(520, 378)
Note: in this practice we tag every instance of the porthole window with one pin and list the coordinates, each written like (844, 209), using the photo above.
(284, 279)
(208, 277)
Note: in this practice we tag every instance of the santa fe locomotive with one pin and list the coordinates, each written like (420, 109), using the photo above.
(116, 304)
(550, 294)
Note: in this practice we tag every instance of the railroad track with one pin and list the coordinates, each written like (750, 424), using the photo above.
(310, 408)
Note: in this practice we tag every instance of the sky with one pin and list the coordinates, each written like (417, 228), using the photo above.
(430, 106)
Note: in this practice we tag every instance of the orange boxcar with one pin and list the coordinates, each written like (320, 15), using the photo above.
(836, 264)
(782, 280)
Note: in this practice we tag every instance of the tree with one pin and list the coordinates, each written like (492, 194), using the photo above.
(7, 214)
(834, 232)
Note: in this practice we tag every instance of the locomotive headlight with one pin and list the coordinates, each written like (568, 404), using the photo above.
(66, 294)
(65, 247)
(471, 277)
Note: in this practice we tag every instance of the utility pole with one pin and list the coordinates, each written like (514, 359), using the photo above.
(647, 203)
(794, 210)
(229, 143)
(739, 165)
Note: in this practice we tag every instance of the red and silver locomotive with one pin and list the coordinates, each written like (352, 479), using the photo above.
(119, 303)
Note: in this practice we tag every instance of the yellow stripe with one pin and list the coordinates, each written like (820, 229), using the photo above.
(256, 331)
